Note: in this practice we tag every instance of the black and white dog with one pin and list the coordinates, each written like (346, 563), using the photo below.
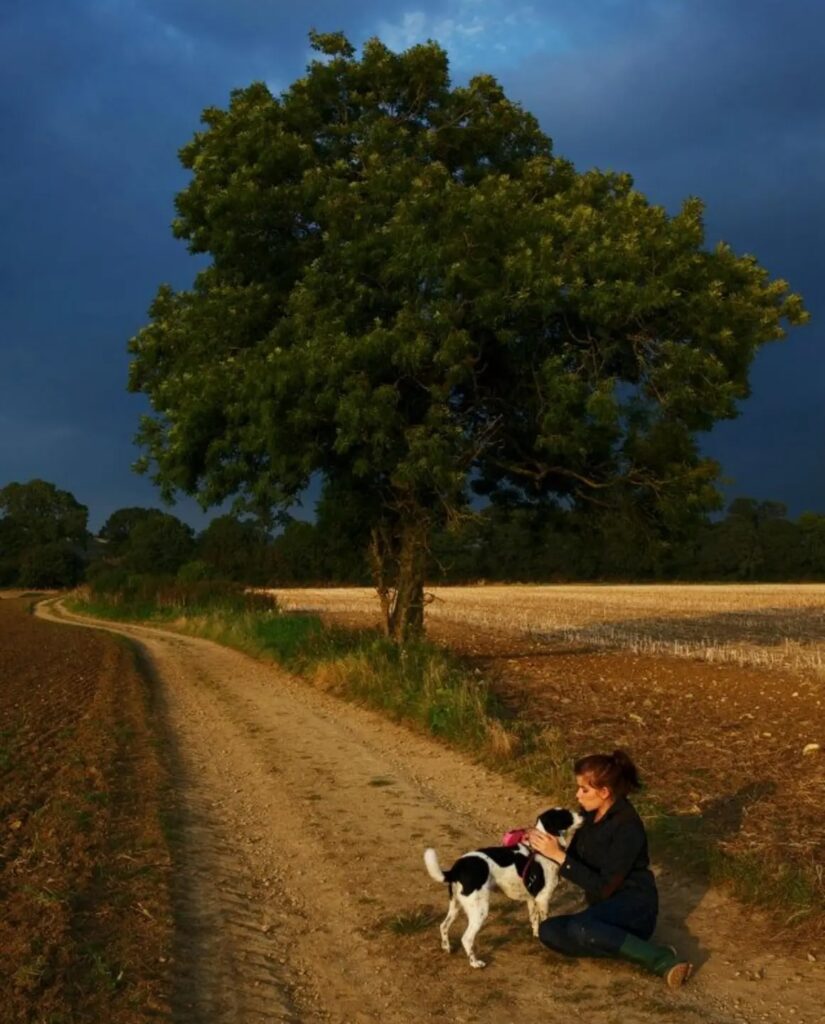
(519, 872)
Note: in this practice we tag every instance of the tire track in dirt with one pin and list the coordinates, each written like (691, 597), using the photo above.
(298, 840)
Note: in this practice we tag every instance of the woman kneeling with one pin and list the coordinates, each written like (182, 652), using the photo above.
(608, 858)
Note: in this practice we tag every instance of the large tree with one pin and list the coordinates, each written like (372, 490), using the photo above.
(42, 534)
(118, 528)
(41, 513)
(235, 549)
(407, 291)
(159, 543)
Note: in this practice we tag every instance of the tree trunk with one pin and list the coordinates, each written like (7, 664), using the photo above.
(399, 559)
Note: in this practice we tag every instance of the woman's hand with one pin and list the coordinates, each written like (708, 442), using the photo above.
(545, 844)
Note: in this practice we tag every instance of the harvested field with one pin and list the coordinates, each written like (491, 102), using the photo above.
(704, 685)
(85, 930)
(774, 625)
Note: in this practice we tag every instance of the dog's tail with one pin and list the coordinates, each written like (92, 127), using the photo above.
(433, 867)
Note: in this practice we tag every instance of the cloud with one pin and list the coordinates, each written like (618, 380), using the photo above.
(470, 30)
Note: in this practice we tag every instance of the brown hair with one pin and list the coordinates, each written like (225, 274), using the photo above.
(615, 772)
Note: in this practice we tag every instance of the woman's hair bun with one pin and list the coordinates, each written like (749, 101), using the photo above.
(615, 771)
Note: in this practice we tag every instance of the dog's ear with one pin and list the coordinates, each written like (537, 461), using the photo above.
(555, 821)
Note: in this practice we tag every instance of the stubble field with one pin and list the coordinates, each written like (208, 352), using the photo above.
(774, 625)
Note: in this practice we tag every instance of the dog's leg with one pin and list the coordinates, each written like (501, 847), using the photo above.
(542, 908)
(444, 927)
(542, 904)
(476, 907)
(534, 913)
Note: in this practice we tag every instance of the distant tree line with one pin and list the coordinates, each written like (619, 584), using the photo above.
(45, 542)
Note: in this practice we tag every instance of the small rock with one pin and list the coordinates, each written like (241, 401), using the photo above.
(811, 748)
(811, 958)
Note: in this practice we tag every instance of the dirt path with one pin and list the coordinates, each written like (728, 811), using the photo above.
(301, 827)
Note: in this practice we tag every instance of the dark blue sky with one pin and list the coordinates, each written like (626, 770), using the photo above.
(717, 98)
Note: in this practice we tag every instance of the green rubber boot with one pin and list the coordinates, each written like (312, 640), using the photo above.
(661, 960)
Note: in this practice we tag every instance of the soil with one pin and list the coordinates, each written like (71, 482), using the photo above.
(86, 927)
(300, 892)
(736, 734)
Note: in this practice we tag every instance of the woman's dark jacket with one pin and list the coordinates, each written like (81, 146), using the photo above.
(610, 856)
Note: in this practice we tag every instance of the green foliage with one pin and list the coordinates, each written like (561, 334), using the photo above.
(51, 565)
(293, 640)
(546, 544)
(333, 548)
(298, 553)
(117, 529)
(235, 549)
(753, 542)
(42, 514)
(117, 592)
(42, 535)
(194, 571)
(160, 543)
(408, 290)
(105, 578)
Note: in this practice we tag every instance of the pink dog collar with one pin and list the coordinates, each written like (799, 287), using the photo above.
(513, 837)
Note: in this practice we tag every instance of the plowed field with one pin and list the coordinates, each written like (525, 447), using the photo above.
(85, 927)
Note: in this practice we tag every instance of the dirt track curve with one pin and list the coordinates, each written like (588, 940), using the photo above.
(299, 841)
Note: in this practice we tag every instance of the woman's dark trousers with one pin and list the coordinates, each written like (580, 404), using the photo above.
(615, 927)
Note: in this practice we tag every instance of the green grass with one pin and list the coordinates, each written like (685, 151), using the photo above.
(419, 683)
(411, 922)
(754, 879)
(142, 611)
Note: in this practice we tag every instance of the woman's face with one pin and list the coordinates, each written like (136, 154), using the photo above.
(591, 798)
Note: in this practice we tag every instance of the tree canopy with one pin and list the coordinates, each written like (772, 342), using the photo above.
(158, 543)
(42, 513)
(42, 530)
(118, 528)
(235, 549)
(409, 293)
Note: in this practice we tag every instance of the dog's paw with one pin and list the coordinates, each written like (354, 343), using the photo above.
(475, 962)
(445, 945)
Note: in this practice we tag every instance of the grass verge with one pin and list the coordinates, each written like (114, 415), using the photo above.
(426, 686)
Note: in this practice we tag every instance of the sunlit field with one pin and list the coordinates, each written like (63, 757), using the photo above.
(748, 624)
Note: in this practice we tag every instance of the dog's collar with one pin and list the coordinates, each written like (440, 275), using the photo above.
(531, 856)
